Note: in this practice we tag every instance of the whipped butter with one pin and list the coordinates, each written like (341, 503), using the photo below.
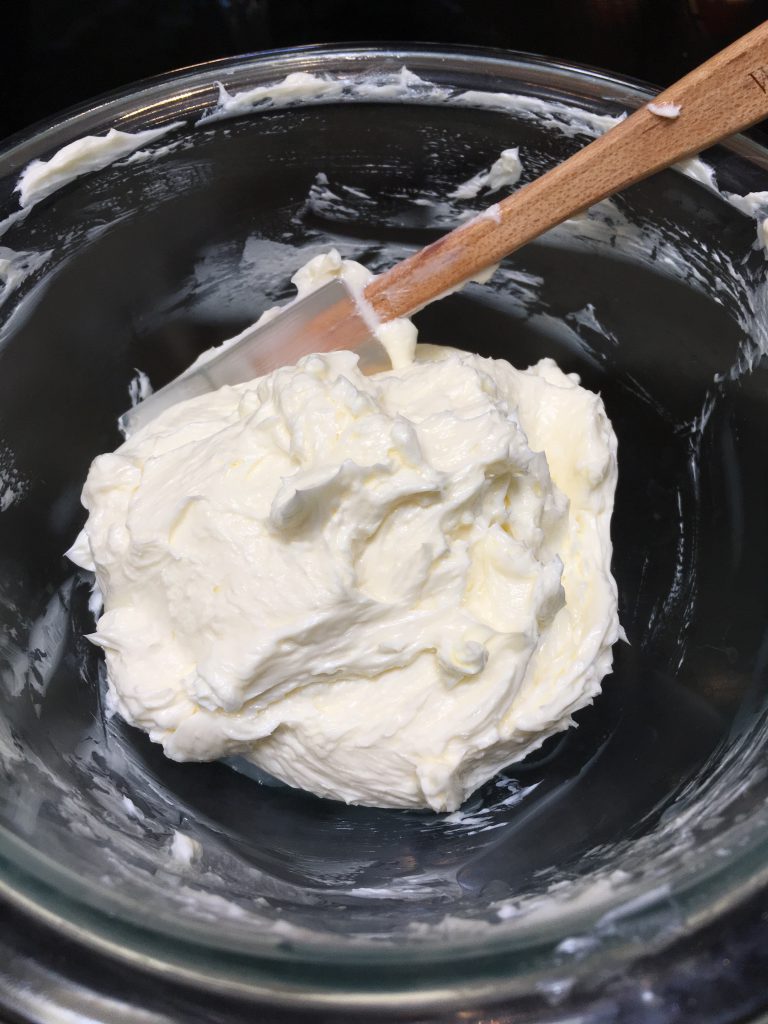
(503, 172)
(379, 589)
(41, 178)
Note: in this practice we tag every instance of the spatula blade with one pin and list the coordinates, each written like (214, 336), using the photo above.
(325, 321)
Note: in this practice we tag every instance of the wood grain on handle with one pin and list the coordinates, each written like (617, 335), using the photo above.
(719, 98)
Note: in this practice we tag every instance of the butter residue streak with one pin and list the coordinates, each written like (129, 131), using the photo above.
(13, 485)
(755, 205)
(694, 167)
(304, 87)
(91, 153)
(402, 85)
(568, 120)
(503, 172)
(16, 267)
(183, 849)
(298, 86)
(379, 589)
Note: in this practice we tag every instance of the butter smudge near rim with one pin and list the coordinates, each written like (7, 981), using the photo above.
(41, 178)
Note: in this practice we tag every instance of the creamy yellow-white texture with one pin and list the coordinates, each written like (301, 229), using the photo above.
(379, 589)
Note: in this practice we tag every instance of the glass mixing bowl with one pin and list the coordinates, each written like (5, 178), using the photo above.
(578, 879)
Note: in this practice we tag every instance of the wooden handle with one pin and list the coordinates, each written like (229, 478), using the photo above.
(722, 96)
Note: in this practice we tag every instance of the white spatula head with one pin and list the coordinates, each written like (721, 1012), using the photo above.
(324, 321)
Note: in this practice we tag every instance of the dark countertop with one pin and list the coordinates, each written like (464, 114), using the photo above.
(63, 54)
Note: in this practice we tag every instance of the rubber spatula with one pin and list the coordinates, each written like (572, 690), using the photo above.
(722, 96)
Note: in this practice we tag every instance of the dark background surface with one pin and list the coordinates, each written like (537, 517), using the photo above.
(63, 52)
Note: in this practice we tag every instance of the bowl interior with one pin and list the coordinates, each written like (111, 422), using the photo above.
(649, 299)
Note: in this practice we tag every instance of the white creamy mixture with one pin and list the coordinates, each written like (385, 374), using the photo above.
(91, 153)
(503, 172)
(379, 589)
